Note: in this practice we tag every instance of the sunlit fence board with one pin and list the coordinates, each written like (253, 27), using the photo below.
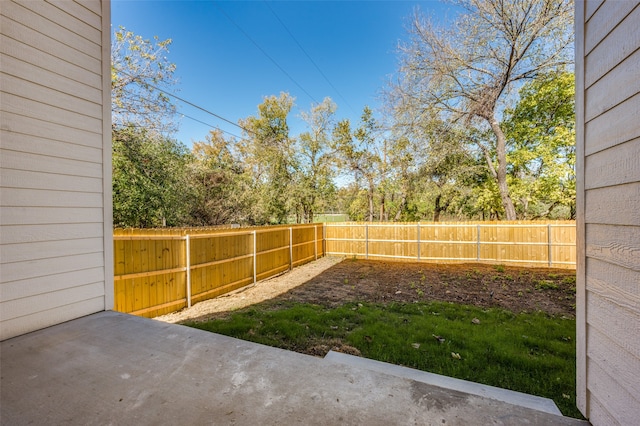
(149, 272)
(520, 243)
(345, 239)
(219, 264)
(154, 275)
(272, 252)
(443, 242)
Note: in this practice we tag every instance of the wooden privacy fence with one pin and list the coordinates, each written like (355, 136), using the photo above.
(551, 244)
(161, 271)
(164, 270)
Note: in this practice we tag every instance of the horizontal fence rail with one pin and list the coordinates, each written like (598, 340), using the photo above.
(161, 271)
(551, 244)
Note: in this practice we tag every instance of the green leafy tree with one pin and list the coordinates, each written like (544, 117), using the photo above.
(150, 180)
(402, 165)
(219, 183)
(448, 171)
(315, 166)
(540, 134)
(267, 152)
(433, 162)
(357, 151)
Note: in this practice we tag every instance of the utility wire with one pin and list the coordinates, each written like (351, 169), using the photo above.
(173, 95)
(209, 125)
(309, 56)
(265, 53)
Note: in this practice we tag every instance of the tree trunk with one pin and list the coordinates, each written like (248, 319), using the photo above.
(310, 209)
(370, 196)
(403, 202)
(439, 208)
(310, 215)
(436, 209)
(501, 173)
(382, 211)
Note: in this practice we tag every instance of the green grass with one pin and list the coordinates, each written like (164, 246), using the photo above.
(530, 352)
(546, 285)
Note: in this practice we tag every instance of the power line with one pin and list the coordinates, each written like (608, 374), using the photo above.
(265, 53)
(309, 56)
(173, 95)
(210, 125)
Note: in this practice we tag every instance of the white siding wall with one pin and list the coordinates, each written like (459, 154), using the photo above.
(608, 137)
(55, 163)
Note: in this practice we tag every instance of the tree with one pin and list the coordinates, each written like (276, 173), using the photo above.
(469, 70)
(448, 169)
(150, 180)
(315, 169)
(268, 154)
(402, 162)
(357, 151)
(219, 183)
(140, 71)
(540, 134)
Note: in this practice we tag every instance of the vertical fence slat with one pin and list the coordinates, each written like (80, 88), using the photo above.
(315, 242)
(254, 257)
(187, 262)
(324, 238)
(366, 241)
(478, 244)
(290, 248)
(549, 246)
(418, 235)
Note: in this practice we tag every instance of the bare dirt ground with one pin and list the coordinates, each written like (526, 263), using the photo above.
(263, 290)
(333, 281)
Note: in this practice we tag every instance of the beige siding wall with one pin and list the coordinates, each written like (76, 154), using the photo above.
(608, 122)
(55, 171)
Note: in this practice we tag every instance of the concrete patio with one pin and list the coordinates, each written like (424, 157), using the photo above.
(112, 368)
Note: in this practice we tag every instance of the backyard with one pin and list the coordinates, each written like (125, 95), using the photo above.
(504, 326)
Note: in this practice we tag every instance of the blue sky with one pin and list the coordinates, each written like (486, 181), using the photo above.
(354, 43)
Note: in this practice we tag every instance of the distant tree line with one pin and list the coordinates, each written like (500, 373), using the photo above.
(480, 127)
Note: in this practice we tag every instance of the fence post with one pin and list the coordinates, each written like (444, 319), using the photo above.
(478, 250)
(549, 244)
(315, 241)
(188, 263)
(324, 239)
(290, 248)
(366, 241)
(418, 241)
(254, 256)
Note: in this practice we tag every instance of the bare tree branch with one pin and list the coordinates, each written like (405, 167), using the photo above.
(469, 70)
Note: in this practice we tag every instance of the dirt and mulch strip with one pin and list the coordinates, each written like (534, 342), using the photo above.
(332, 281)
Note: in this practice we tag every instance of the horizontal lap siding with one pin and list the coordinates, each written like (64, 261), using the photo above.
(52, 163)
(615, 166)
(609, 359)
(43, 317)
(606, 352)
